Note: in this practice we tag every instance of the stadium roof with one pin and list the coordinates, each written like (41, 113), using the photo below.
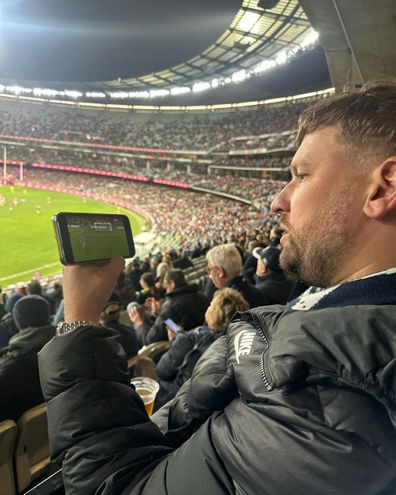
(100, 46)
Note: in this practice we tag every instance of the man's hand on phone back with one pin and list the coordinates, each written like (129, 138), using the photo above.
(87, 288)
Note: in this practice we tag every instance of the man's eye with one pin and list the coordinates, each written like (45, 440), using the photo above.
(300, 177)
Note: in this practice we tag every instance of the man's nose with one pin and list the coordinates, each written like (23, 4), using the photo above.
(281, 202)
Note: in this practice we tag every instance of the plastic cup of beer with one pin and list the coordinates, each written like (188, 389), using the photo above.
(147, 389)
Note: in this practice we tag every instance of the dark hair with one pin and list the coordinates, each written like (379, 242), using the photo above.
(34, 287)
(148, 277)
(366, 117)
(177, 276)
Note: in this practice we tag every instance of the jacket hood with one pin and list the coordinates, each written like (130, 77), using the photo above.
(352, 346)
(184, 289)
(30, 339)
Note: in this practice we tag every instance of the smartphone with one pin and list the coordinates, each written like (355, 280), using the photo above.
(172, 325)
(92, 237)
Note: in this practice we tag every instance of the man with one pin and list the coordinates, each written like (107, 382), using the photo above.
(184, 304)
(225, 270)
(110, 317)
(269, 278)
(292, 400)
(19, 377)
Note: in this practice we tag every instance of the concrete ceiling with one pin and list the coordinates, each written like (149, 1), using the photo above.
(358, 36)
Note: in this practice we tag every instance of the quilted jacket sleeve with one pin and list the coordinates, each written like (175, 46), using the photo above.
(98, 426)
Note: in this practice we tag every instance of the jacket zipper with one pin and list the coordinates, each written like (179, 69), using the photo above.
(257, 325)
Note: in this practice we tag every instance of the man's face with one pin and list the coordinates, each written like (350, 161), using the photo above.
(321, 209)
(215, 274)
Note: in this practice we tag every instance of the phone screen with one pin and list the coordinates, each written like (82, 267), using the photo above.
(172, 325)
(89, 237)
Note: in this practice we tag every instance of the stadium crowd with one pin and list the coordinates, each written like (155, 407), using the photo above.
(174, 132)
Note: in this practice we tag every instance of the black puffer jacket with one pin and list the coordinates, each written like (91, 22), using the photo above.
(176, 366)
(287, 402)
(185, 305)
(19, 376)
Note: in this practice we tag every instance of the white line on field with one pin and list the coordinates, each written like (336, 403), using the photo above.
(48, 265)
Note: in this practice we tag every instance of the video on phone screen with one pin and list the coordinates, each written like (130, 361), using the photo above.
(97, 238)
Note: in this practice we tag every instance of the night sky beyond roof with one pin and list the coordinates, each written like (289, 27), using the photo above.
(97, 40)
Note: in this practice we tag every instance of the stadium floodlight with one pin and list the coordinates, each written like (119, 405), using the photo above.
(200, 86)
(264, 66)
(180, 90)
(121, 95)
(214, 83)
(73, 93)
(139, 94)
(281, 58)
(158, 92)
(17, 90)
(309, 40)
(95, 94)
(45, 92)
(239, 76)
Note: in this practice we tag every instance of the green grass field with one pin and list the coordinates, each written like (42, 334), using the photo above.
(28, 244)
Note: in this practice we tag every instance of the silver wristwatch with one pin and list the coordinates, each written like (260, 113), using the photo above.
(64, 327)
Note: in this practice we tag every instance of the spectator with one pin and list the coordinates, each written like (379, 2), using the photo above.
(270, 279)
(110, 317)
(297, 399)
(225, 269)
(149, 288)
(19, 376)
(141, 320)
(177, 364)
(183, 303)
(250, 262)
(8, 327)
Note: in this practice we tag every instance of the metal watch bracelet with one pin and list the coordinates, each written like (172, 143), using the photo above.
(64, 327)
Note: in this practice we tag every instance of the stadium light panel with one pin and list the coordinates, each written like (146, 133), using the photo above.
(200, 86)
(95, 94)
(73, 93)
(180, 90)
(158, 92)
(281, 58)
(17, 90)
(214, 83)
(310, 39)
(239, 76)
(264, 66)
(45, 92)
(119, 94)
(139, 94)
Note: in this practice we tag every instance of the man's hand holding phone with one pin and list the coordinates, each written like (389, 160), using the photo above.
(87, 288)
(172, 329)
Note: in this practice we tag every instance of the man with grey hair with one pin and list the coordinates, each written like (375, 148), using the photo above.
(297, 399)
(225, 270)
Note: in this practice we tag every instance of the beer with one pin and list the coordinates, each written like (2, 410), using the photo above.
(147, 389)
(147, 397)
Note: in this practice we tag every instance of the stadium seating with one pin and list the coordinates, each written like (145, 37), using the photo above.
(8, 430)
(32, 454)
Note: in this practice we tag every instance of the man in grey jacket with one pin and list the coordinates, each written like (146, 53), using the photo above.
(293, 399)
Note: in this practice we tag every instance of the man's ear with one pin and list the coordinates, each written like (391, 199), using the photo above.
(381, 199)
(222, 272)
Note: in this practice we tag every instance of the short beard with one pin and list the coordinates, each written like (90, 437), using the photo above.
(316, 252)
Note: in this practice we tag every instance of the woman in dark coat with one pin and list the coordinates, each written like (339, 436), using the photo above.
(177, 364)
